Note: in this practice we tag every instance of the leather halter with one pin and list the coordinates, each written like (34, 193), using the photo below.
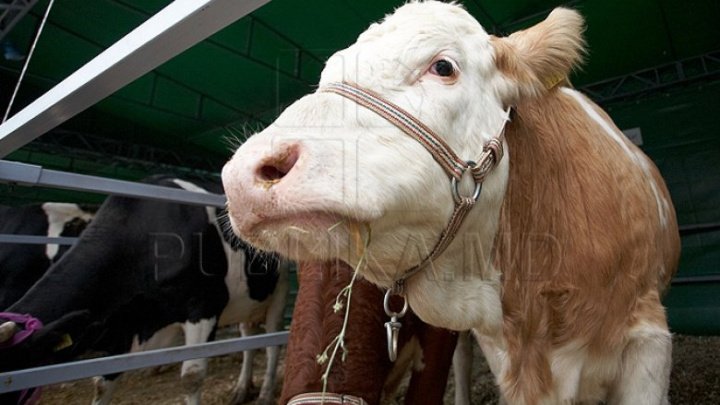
(453, 165)
(316, 398)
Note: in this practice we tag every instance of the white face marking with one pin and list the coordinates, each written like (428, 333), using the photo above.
(59, 214)
(619, 138)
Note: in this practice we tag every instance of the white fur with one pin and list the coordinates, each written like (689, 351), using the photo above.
(193, 372)
(59, 214)
(620, 139)
(645, 372)
(357, 165)
(462, 368)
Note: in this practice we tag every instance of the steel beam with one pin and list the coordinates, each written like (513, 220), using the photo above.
(13, 12)
(81, 146)
(34, 377)
(701, 67)
(25, 174)
(175, 28)
(699, 279)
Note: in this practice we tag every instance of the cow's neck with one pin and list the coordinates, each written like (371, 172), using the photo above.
(468, 302)
(461, 290)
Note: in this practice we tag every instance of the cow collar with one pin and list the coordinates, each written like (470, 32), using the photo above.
(315, 398)
(451, 163)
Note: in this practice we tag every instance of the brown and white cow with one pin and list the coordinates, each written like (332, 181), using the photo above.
(567, 242)
(366, 372)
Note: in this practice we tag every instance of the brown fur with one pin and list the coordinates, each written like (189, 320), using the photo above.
(538, 58)
(363, 374)
(580, 243)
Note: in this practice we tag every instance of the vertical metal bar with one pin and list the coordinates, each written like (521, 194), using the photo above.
(13, 13)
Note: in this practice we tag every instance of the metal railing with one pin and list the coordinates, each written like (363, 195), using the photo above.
(34, 377)
(171, 31)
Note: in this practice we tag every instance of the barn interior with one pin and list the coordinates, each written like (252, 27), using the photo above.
(654, 65)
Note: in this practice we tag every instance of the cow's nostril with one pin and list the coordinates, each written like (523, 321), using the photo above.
(271, 173)
(278, 167)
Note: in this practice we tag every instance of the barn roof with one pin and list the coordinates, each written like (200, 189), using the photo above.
(182, 113)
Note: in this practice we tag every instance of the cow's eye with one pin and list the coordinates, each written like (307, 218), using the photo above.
(442, 67)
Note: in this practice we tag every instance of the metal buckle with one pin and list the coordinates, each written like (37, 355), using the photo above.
(455, 185)
(392, 327)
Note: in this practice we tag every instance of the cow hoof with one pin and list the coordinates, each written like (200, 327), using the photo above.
(7, 331)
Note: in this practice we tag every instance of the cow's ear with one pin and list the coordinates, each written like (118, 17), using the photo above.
(537, 59)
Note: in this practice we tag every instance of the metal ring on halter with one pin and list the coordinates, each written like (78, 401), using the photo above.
(386, 304)
(455, 185)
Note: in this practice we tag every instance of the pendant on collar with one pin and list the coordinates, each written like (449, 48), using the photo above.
(392, 327)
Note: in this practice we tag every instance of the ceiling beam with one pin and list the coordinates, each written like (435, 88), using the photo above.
(79, 147)
(180, 25)
(14, 11)
(646, 81)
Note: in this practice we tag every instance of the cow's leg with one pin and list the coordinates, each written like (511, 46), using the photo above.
(646, 363)
(432, 367)
(493, 349)
(244, 383)
(169, 336)
(194, 371)
(104, 388)
(462, 368)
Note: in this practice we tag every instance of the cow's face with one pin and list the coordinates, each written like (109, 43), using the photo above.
(327, 170)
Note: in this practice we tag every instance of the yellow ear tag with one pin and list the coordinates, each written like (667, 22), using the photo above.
(553, 81)
(65, 341)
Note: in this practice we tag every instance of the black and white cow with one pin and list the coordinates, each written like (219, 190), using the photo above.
(141, 271)
(21, 265)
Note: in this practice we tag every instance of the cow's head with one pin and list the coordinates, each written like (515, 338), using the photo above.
(310, 183)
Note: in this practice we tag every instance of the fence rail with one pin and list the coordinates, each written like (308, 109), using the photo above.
(33, 175)
(34, 377)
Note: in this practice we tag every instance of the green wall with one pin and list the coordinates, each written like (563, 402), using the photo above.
(681, 133)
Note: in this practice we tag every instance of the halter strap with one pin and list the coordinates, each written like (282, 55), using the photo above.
(443, 154)
(317, 398)
(454, 166)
